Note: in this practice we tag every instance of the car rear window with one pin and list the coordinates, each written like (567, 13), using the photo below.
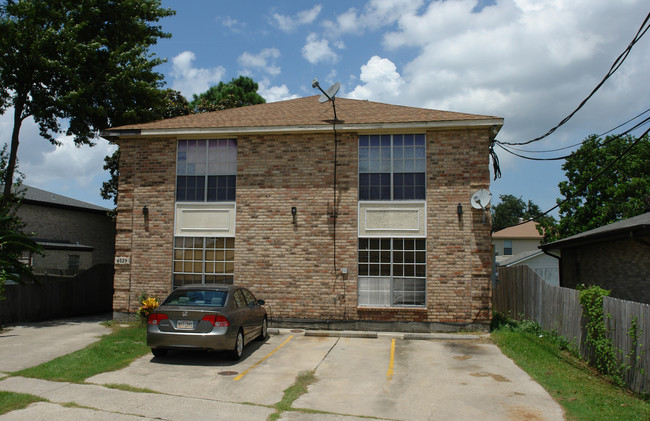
(202, 298)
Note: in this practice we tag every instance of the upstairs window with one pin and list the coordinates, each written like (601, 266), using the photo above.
(206, 170)
(392, 167)
(507, 247)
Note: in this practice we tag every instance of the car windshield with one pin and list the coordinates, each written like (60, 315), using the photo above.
(205, 298)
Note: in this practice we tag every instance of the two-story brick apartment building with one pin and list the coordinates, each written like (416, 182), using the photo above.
(332, 225)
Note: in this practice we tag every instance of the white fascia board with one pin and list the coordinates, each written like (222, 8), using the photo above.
(372, 127)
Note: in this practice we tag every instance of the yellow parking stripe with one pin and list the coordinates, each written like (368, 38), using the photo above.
(389, 374)
(258, 363)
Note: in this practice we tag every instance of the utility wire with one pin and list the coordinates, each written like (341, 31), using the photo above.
(585, 185)
(575, 152)
(615, 66)
(579, 143)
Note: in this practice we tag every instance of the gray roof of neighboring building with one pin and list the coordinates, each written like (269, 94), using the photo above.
(38, 196)
(524, 255)
(639, 224)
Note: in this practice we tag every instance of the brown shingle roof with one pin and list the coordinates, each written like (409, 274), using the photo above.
(305, 112)
(526, 230)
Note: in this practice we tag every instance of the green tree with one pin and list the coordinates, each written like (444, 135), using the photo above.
(174, 105)
(622, 190)
(84, 61)
(510, 209)
(236, 93)
(13, 241)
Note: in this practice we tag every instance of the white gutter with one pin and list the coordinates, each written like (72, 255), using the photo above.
(369, 127)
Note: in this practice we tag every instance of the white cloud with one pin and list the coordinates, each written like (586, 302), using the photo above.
(318, 50)
(232, 24)
(68, 164)
(190, 80)
(529, 61)
(264, 61)
(304, 17)
(381, 81)
(274, 93)
(376, 14)
(72, 171)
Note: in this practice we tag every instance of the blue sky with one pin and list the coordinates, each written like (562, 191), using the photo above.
(530, 62)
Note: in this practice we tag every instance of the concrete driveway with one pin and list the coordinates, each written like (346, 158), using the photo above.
(386, 376)
(29, 344)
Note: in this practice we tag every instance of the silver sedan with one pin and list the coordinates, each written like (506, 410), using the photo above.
(207, 317)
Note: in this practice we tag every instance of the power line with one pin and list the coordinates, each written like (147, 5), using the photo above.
(500, 144)
(596, 177)
(579, 143)
(615, 66)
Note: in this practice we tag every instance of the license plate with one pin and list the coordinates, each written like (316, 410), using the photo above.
(184, 324)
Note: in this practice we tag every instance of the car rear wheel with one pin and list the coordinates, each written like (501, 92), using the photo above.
(237, 352)
(264, 330)
(158, 352)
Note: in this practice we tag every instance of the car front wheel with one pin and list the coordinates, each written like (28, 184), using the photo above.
(237, 352)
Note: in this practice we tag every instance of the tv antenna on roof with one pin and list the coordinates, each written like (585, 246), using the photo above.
(327, 95)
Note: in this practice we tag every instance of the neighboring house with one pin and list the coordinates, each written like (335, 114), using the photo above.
(516, 239)
(75, 235)
(544, 265)
(615, 257)
(343, 226)
(519, 245)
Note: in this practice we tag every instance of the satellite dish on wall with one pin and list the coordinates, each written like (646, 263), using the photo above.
(481, 199)
(330, 92)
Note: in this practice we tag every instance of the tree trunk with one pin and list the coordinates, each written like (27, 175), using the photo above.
(19, 105)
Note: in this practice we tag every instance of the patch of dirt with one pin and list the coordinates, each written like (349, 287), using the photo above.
(517, 413)
(462, 357)
(496, 377)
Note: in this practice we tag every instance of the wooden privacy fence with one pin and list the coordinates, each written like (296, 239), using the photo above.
(521, 293)
(90, 292)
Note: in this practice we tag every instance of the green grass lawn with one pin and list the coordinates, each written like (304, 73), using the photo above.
(584, 394)
(10, 401)
(112, 352)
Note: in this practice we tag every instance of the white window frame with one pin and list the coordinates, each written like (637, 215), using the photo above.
(391, 173)
(386, 297)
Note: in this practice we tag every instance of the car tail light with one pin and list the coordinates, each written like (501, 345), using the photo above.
(156, 318)
(217, 320)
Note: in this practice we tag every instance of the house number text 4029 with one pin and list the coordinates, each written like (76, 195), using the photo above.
(122, 260)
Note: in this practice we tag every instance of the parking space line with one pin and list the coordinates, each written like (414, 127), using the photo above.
(389, 373)
(260, 361)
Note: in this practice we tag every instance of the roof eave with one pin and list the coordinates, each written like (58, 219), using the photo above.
(494, 123)
(613, 235)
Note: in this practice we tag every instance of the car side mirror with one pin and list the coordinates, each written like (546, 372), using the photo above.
(260, 302)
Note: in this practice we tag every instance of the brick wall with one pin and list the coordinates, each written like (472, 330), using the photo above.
(147, 178)
(291, 266)
(76, 226)
(621, 266)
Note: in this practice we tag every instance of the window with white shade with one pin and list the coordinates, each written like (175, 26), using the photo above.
(206, 170)
(392, 272)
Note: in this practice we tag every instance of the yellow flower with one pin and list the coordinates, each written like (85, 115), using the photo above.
(150, 303)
